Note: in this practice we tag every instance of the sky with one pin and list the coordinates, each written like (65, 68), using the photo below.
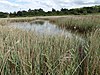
(47, 5)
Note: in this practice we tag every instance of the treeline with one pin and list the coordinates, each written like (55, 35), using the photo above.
(63, 11)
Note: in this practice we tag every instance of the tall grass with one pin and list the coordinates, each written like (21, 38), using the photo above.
(81, 24)
(26, 53)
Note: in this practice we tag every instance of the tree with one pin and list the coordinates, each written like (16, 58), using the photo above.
(53, 10)
(64, 11)
(19, 14)
(3, 15)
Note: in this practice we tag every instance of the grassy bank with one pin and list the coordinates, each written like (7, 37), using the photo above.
(25, 53)
(5, 21)
(82, 24)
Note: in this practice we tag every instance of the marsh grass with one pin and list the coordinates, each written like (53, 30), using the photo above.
(82, 24)
(21, 50)
(26, 53)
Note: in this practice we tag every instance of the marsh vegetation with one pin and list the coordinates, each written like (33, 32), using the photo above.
(25, 52)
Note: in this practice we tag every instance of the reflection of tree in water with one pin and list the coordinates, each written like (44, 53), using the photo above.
(37, 22)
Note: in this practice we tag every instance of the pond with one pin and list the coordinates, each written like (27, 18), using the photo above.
(43, 28)
(40, 27)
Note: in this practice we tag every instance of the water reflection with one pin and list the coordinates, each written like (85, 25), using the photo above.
(43, 27)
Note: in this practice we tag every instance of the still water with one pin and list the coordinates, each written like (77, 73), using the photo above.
(43, 28)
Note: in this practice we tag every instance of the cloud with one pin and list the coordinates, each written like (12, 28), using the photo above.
(5, 2)
(7, 6)
(15, 5)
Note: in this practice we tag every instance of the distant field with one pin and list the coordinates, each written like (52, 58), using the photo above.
(26, 53)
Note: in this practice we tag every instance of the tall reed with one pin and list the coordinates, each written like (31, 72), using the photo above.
(27, 53)
(82, 24)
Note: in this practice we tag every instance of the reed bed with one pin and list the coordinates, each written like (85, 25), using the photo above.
(26, 53)
(5, 21)
(82, 24)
